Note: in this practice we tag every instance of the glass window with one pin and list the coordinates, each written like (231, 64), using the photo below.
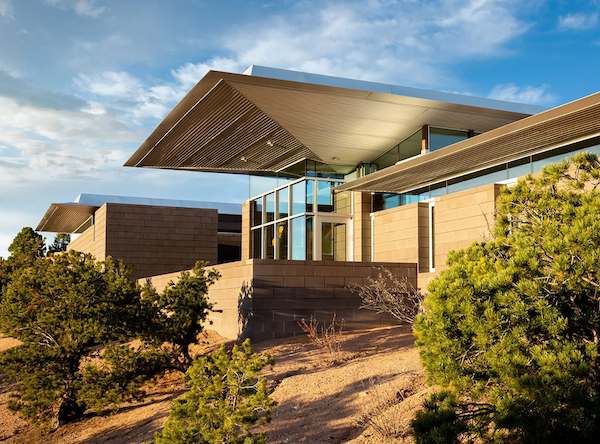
(417, 195)
(411, 147)
(282, 236)
(261, 184)
(257, 243)
(556, 156)
(309, 238)
(388, 159)
(324, 196)
(298, 241)
(270, 207)
(310, 195)
(256, 211)
(519, 168)
(270, 242)
(478, 179)
(298, 198)
(284, 203)
(438, 189)
(384, 201)
(441, 137)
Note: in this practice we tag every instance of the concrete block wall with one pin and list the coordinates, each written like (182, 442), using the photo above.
(396, 234)
(93, 240)
(401, 234)
(246, 244)
(285, 292)
(265, 299)
(463, 218)
(232, 239)
(362, 226)
(157, 240)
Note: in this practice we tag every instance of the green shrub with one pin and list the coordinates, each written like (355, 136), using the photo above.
(64, 309)
(226, 398)
(511, 328)
(180, 310)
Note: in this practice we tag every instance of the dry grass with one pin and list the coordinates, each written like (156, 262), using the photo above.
(327, 338)
(389, 294)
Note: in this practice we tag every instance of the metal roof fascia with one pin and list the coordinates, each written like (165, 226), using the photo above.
(519, 125)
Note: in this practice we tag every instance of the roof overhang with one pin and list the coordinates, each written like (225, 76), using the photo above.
(263, 122)
(73, 217)
(574, 122)
(66, 218)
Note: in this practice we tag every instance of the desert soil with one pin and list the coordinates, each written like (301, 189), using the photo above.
(368, 395)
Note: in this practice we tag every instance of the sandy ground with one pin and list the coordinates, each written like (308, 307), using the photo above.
(372, 391)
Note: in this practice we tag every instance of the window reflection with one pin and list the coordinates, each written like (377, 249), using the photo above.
(284, 203)
(270, 207)
(298, 198)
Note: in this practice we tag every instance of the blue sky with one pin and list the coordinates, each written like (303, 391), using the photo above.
(84, 82)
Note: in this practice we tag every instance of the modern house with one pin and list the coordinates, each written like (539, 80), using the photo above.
(348, 175)
(153, 236)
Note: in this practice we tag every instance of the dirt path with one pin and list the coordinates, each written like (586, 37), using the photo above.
(378, 383)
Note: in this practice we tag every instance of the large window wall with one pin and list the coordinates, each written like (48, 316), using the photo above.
(302, 220)
(500, 173)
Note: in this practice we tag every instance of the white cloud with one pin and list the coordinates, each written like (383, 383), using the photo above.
(7, 9)
(578, 21)
(528, 94)
(398, 42)
(138, 101)
(120, 85)
(88, 8)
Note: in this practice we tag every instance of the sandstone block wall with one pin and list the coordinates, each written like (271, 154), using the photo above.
(463, 218)
(265, 299)
(93, 240)
(152, 239)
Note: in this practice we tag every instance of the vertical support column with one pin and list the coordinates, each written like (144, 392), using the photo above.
(246, 243)
(423, 233)
(362, 226)
(424, 139)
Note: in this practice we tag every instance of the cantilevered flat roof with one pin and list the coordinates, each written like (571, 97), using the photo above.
(71, 217)
(571, 123)
(267, 119)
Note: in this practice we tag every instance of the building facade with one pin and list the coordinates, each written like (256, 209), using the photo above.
(152, 236)
(346, 175)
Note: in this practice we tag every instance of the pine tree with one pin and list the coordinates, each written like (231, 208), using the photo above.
(27, 245)
(63, 309)
(180, 311)
(226, 397)
(61, 240)
(511, 327)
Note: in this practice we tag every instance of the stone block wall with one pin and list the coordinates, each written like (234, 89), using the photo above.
(265, 299)
(152, 239)
(402, 234)
(93, 240)
(463, 218)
